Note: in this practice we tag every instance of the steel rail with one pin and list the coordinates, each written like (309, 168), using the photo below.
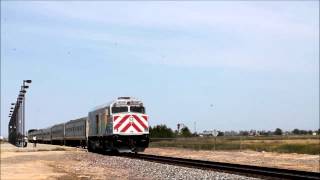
(229, 167)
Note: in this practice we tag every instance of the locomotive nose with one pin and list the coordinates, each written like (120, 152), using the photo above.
(130, 123)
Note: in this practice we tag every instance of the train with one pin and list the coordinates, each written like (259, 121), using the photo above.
(119, 126)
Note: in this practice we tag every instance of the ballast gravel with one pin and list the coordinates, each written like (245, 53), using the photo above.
(115, 167)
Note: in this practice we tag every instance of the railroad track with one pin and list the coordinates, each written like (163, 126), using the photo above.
(264, 172)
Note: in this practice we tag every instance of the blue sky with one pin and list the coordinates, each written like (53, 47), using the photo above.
(256, 63)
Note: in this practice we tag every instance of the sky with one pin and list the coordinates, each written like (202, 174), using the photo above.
(225, 65)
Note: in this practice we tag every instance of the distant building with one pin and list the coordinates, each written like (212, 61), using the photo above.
(253, 132)
(231, 133)
(207, 133)
(314, 133)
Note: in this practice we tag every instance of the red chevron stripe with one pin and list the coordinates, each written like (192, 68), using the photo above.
(126, 127)
(122, 121)
(136, 127)
(145, 118)
(139, 121)
(115, 118)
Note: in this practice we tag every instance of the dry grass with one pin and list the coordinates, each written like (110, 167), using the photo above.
(54, 149)
(302, 145)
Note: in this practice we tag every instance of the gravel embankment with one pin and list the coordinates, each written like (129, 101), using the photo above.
(138, 169)
(303, 162)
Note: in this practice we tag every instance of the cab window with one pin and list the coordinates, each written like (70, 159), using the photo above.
(119, 109)
(139, 109)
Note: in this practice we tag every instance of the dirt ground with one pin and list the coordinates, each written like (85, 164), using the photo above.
(60, 162)
(49, 162)
(280, 160)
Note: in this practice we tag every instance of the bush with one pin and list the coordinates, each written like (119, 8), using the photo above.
(278, 131)
(185, 132)
(161, 131)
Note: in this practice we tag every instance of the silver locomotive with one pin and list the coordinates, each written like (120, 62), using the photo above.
(121, 125)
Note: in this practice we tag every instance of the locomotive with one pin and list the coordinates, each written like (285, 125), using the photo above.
(121, 125)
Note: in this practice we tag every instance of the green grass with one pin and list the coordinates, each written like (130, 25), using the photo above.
(298, 148)
(282, 144)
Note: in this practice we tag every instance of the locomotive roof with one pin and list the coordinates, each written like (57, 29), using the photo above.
(122, 100)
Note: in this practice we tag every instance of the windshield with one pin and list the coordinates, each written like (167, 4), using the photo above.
(119, 109)
(139, 109)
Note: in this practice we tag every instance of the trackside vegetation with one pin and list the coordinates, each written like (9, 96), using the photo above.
(301, 145)
(293, 143)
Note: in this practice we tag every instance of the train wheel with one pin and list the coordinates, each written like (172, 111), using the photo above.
(90, 149)
(89, 146)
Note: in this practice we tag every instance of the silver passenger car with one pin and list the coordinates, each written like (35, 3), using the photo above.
(76, 132)
(46, 135)
(39, 135)
(32, 133)
(57, 134)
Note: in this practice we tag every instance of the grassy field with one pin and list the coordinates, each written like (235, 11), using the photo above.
(283, 144)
